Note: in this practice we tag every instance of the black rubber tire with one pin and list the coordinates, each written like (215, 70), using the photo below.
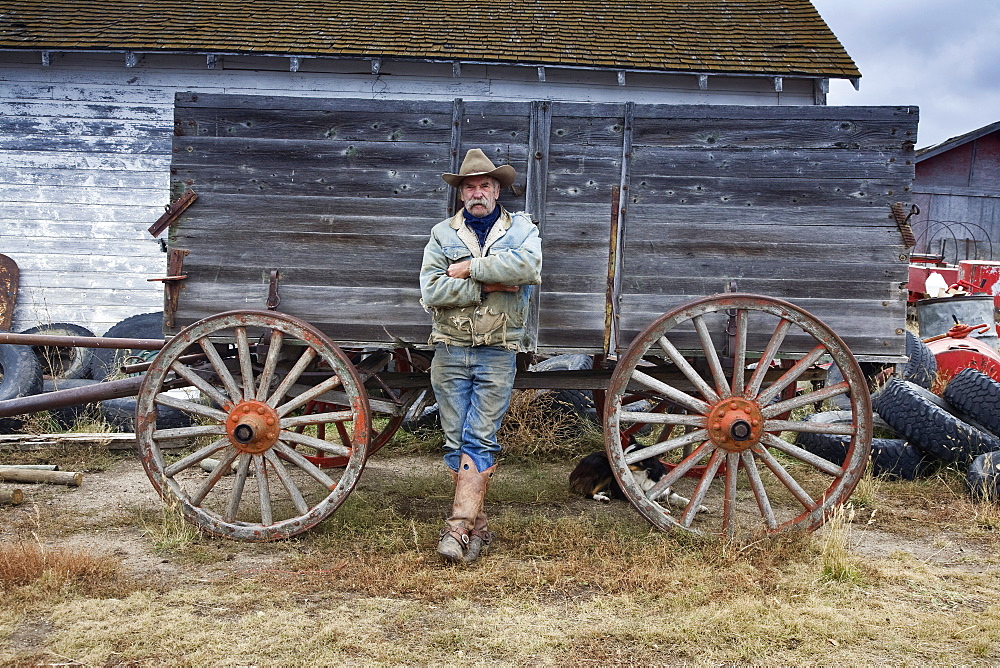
(61, 362)
(572, 402)
(144, 326)
(120, 414)
(977, 395)
(921, 365)
(20, 376)
(67, 416)
(983, 477)
(896, 459)
(20, 372)
(892, 458)
(928, 426)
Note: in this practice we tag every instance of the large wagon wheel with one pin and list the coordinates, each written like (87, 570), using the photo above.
(249, 424)
(731, 430)
(388, 404)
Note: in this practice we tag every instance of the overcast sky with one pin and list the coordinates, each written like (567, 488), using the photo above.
(941, 55)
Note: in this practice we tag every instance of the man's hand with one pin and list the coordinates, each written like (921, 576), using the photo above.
(460, 269)
(499, 287)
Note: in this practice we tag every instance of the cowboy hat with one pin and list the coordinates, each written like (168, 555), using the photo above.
(477, 164)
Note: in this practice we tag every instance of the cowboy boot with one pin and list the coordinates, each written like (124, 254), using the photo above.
(479, 539)
(470, 488)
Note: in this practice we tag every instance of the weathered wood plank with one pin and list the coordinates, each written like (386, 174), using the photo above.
(315, 125)
(203, 100)
(74, 109)
(656, 191)
(763, 134)
(90, 178)
(758, 163)
(905, 116)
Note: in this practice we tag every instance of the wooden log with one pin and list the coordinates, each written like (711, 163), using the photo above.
(11, 497)
(38, 467)
(31, 442)
(70, 478)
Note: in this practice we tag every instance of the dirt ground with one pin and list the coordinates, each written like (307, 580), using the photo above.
(90, 517)
(114, 510)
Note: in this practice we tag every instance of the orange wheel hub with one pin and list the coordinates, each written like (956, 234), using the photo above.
(253, 427)
(735, 424)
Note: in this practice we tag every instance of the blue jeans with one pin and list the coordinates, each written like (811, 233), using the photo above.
(473, 388)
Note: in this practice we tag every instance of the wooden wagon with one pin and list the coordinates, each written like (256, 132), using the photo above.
(291, 300)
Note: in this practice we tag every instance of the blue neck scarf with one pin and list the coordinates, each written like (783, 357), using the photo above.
(482, 226)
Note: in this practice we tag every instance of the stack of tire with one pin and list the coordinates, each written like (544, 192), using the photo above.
(893, 458)
(29, 370)
(960, 429)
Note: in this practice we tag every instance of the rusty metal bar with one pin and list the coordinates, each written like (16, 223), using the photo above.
(129, 369)
(173, 211)
(87, 394)
(80, 341)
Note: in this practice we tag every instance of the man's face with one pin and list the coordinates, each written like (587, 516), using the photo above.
(479, 194)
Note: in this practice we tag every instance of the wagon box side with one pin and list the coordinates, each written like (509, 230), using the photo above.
(326, 205)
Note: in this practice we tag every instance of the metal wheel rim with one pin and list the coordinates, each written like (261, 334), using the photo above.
(720, 462)
(273, 465)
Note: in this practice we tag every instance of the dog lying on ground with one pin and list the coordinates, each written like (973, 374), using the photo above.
(594, 479)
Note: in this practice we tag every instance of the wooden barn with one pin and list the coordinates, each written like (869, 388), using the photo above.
(89, 93)
(957, 189)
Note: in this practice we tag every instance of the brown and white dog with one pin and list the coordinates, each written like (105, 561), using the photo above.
(594, 479)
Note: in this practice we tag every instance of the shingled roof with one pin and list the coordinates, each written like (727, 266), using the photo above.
(763, 37)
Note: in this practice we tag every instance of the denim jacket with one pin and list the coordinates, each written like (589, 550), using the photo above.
(463, 314)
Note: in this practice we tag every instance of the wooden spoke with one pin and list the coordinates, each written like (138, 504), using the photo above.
(246, 366)
(216, 475)
(786, 479)
(316, 418)
(760, 494)
(815, 461)
(712, 356)
(263, 490)
(675, 395)
(817, 397)
(664, 447)
(308, 395)
(219, 365)
(304, 464)
(195, 457)
(740, 353)
(764, 363)
(698, 498)
(164, 399)
(729, 493)
(189, 432)
(317, 443)
(270, 364)
(686, 368)
(810, 427)
(664, 418)
(206, 388)
(286, 481)
(242, 471)
(792, 374)
(300, 366)
(689, 462)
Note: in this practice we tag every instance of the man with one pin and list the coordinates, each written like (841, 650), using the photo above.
(476, 280)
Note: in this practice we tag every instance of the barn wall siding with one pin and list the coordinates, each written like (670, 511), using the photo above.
(85, 152)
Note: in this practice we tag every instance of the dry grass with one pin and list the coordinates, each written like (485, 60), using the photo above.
(535, 428)
(569, 582)
(26, 563)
